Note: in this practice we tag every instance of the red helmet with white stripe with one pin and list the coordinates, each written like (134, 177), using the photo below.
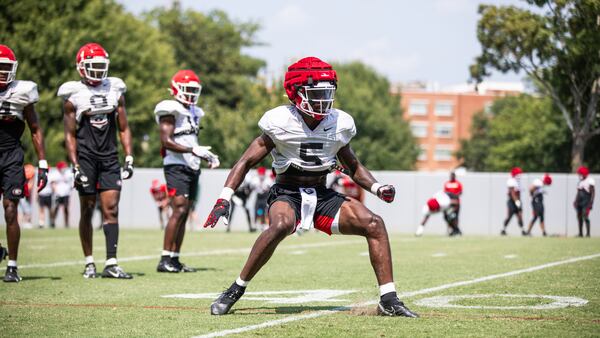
(310, 85)
(8, 65)
(185, 87)
(516, 171)
(92, 63)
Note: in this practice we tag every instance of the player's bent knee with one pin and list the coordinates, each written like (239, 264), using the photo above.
(283, 226)
(375, 226)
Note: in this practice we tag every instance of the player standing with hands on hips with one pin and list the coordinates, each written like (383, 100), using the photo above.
(17, 100)
(304, 139)
(94, 112)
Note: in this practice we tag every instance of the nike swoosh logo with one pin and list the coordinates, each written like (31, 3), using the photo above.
(327, 129)
(116, 275)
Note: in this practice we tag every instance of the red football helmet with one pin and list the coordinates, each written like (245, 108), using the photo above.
(185, 86)
(310, 85)
(547, 179)
(516, 171)
(92, 63)
(583, 171)
(262, 171)
(8, 65)
(433, 205)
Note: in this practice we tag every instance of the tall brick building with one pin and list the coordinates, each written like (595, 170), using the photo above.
(440, 118)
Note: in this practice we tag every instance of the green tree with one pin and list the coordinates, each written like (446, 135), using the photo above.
(384, 140)
(520, 131)
(46, 35)
(556, 43)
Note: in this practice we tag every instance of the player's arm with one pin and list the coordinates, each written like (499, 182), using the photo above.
(166, 126)
(362, 176)
(37, 138)
(593, 195)
(531, 190)
(258, 149)
(125, 137)
(70, 126)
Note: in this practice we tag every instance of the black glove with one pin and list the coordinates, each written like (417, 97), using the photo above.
(42, 179)
(221, 209)
(79, 176)
(127, 170)
(386, 193)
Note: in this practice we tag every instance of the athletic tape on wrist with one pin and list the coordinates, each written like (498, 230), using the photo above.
(43, 164)
(375, 187)
(226, 193)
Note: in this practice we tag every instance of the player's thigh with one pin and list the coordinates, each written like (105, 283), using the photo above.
(13, 174)
(355, 218)
(109, 175)
(282, 216)
(109, 200)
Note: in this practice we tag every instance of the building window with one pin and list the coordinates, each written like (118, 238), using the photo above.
(418, 107)
(444, 108)
(419, 129)
(444, 130)
(422, 153)
(442, 153)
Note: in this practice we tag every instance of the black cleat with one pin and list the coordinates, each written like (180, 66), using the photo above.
(166, 265)
(524, 233)
(394, 308)
(11, 275)
(182, 267)
(115, 271)
(3, 253)
(503, 233)
(223, 304)
(90, 271)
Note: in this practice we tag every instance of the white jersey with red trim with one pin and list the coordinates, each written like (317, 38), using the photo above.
(514, 183)
(443, 200)
(187, 122)
(17, 95)
(96, 101)
(299, 147)
(585, 184)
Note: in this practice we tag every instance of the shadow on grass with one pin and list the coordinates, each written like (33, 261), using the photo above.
(282, 309)
(28, 278)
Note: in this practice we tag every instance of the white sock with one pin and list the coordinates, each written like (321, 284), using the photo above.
(89, 259)
(387, 288)
(166, 253)
(239, 281)
(12, 263)
(111, 261)
(174, 254)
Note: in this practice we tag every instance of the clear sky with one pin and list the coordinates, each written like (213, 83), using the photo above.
(406, 40)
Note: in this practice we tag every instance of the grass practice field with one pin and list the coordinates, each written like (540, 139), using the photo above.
(314, 286)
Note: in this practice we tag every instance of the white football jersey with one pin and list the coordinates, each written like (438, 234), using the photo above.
(514, 183)
(585, 184)
(61, 182)
(261, 185)
(297, 146)
(95, 101)
(187, 126)
(539, 187)
(443, 200)
(16, 97)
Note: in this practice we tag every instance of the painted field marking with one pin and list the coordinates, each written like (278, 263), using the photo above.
(559, 302)
(192, 254)
(301, 296)
(321, 313)
(364, 253)
(439, 254)
(511, 256)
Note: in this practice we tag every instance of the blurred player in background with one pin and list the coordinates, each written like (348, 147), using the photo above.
(17, 100)
(179, 124)
(61, 181)
(306, 138)
(240, 199)
(584, 200)
(261, 184)
(94, 113)
(514, 205)
(343, 184)
(447, 204)
(45, 203)
(25, 202)
(160, 194)
(537, 192)
(454, 189)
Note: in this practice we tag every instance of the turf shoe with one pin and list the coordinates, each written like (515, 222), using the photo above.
(12, 275)
(3, 253)
(223, 304)
(182, 267)
(503, 233)
(115, 271)
(90, 271)
(166, 265)
(394, 307)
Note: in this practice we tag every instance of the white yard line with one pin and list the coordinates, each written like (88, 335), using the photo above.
(402, 295)
(192, 254)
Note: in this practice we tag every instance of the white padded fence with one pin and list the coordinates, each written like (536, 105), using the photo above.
(483, 206)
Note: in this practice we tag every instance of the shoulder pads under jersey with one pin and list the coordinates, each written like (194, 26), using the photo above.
(346, 126)
(69, 88)
(117, 84)
(25, 92)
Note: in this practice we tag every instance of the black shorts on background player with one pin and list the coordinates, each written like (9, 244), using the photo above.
(183, 179)
(102, 174)
(512, 207)
(12, 174)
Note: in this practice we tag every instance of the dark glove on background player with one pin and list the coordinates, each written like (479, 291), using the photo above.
(221, 209)
(79, 176)
(127, 170)
(42, 179)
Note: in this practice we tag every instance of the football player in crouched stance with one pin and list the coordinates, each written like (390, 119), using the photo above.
(179, 124)
(304, 139)
(444, 202)
(94, 112)
(17, 99)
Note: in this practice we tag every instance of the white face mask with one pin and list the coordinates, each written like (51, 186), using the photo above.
(8, 74)
(318, 99)
(95, 69)
(187, 93)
